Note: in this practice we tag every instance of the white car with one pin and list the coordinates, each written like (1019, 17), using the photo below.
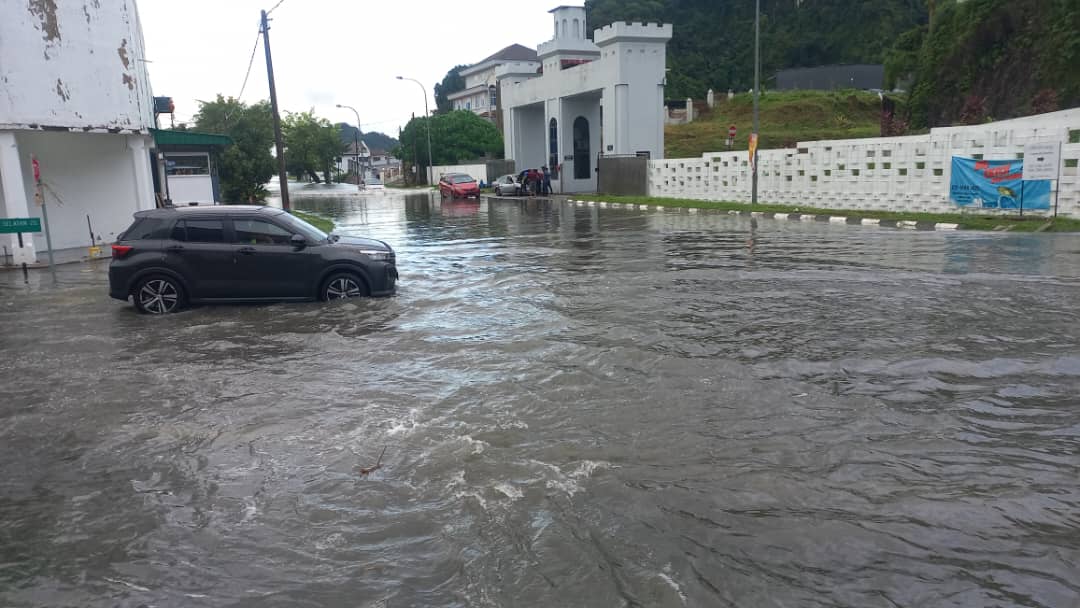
(507, 185)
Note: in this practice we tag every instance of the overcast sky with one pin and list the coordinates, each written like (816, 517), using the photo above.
(330, 51)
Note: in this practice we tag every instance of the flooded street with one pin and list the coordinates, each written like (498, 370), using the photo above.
(579, 407)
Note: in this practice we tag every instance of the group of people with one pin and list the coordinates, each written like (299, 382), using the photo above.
(535, 181)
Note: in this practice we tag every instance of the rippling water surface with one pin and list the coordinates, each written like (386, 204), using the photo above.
(579, 407)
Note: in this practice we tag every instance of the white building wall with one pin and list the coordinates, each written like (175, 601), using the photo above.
(531, 136)
(74, 91)
(572, 108)
(73, 64)
(477, 172)
(893, 174)
(625, 77)
(86, 174)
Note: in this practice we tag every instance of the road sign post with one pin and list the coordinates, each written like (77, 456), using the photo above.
(19, 225)
(1042, 161)
(39, 195)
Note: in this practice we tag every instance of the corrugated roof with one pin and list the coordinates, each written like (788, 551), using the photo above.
(166, 137)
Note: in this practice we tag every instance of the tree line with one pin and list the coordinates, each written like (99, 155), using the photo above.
(313, 146)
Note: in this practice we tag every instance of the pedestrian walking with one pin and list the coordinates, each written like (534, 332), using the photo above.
(546, 180)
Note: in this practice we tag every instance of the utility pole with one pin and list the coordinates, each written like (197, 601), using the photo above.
(283, 178)
(757, 94)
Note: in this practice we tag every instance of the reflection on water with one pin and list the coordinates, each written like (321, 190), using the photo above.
(580, 407)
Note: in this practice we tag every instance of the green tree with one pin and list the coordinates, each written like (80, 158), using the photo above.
(713, 41)
(455, 137)
(993, 59)
(451, 83)
(247, 164)
(312, 144)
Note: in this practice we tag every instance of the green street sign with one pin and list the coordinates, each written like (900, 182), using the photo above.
(11, 225)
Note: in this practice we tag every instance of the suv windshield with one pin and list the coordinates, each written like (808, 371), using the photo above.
(311, 233)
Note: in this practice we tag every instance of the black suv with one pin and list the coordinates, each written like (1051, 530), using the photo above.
(176, 255)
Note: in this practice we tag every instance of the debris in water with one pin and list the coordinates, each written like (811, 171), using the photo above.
(378, 465)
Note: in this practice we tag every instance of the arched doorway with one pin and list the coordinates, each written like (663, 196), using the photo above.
(553, 147)
(582, 149)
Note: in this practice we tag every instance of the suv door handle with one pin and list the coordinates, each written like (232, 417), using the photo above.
(246, 251)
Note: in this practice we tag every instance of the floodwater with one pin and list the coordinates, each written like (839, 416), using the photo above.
(578, 407)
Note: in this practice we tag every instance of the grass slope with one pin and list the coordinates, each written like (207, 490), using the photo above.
(322, 224)
(787, 117)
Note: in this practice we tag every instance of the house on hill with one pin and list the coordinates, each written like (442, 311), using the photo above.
(480, 95)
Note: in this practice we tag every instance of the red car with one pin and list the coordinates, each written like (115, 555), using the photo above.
(458, 185)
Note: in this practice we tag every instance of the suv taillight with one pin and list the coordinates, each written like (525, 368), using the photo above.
(121, 251)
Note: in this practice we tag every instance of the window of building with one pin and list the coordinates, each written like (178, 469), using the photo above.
(577, 29)
(187, 164)
(494, 97)
(468, 105)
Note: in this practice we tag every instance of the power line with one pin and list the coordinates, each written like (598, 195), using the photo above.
(251, 61)
(275, 7)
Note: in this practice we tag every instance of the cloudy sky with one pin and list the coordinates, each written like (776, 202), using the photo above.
(329, 51)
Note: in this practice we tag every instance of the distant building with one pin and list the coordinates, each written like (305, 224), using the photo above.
(829, 77)
(385, 165)
(592, 97)
(354, 157)
(75, 95)
(480, 95)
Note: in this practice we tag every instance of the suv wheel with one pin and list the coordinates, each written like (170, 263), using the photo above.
(343, 285)
(158, 295)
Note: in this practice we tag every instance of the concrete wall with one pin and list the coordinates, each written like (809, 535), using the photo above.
(73, 64)
(895, 173)
(476, 171)
(85, 174)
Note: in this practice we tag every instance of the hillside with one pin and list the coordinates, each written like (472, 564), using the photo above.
(373, 139)
(991, 60)
(713, 44)
(786, 118)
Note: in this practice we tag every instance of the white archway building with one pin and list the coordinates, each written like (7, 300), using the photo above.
(593, 97)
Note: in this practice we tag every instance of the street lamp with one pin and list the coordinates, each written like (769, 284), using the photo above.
(427, 121)
(356, 145)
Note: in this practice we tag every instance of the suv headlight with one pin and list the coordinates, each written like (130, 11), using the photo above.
(378, 255)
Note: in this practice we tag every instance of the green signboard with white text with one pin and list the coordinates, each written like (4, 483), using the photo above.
(10, 225)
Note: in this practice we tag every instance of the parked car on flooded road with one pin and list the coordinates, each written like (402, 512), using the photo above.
(507, 185)
(179, 255)
(458, 185)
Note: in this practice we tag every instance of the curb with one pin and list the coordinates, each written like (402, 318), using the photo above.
(791, 217)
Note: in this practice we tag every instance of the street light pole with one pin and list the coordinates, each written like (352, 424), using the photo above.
(757, 94)
(427, 122)
(356, 144)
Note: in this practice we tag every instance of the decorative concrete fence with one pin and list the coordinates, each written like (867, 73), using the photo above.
(888, 173)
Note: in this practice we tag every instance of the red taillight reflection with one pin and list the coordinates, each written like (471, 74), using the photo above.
(119, 251)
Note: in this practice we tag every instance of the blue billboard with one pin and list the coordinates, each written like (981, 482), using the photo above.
(995, 184)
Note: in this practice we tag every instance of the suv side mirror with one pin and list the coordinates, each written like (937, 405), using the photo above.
(298, 241)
